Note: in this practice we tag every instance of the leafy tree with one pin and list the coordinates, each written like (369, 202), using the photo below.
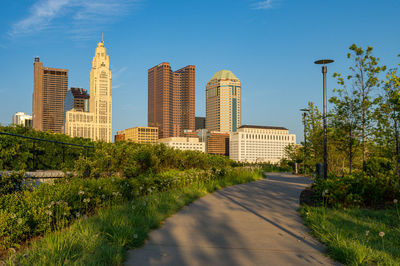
(363, 79)
(346, 121)
(388, 114)
(314, 131)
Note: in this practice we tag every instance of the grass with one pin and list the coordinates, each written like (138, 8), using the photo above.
(105, 238)
(352, 235)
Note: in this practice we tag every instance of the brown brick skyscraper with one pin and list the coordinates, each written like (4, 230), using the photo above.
(171, 102)
(49, 88)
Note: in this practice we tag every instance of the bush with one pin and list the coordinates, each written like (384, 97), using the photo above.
(11, 182)
(28, 213)
(357, 190)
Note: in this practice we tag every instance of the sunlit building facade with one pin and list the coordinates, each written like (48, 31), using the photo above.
(139, 135)
(171, 99)
(95, 124)
(49, 88)
(182, 143)
(260, 144)
(22, 119)
(223, 102)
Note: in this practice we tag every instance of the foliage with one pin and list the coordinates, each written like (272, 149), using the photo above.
(363, 118)
(131, 160)
(363, 79)
(49, 207)
(26, 154)
(104, 238)
(357, 236)
(356, 190)
(121, 158)
(281, 167)
(11, 182)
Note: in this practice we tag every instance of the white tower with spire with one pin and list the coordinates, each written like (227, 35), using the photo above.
(100, 93)
(97, 123)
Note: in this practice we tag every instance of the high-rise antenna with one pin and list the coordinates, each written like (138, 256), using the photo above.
(102, 40)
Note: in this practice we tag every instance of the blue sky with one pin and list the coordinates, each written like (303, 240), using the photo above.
(269, 45)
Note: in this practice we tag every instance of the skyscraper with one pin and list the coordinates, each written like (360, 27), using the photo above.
(223, 102)
(171, 102)
(49, 88)
(78, 99)
(95, 124)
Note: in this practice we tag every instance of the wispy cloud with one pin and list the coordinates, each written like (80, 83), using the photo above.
(116, 86)
(79, 18)
(117, 73)
(265, 4)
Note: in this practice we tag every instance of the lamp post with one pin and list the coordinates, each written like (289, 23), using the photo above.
(304, 110)
(324, 62)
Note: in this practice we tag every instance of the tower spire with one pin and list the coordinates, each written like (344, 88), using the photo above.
(102, 40)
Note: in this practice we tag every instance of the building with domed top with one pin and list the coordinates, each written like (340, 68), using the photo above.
(223, 102)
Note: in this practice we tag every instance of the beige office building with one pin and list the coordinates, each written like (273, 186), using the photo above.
(49, 88)
(95, 124)
(259, 144)
(182, 143)
(139, 134)
(223, 102)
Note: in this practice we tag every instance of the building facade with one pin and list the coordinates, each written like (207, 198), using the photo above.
(171, 99)
(78, 99)
(22, 119)
(49, 88)
(223, 102)
(120, 136)
(200, 123)
(190, 134)
(217, 143)
(260, 144)
(182, 143)
(95, 124)
(139, 135)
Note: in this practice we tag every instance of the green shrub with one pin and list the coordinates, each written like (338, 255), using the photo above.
(11, 182)
(49, 207)
(357, 190)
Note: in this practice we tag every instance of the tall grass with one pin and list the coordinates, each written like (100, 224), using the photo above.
(104, 238)
(354, 236)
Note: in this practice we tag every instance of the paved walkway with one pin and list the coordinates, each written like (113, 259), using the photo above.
(250, 224)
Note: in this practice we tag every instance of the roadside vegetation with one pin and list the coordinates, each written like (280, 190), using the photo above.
(357, 236)
(355, 211)
(109, 199)
(105, 237)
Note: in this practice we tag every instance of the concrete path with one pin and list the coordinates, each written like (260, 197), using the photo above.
(250, 224)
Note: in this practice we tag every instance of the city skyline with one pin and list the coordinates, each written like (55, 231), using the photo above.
(271, 49)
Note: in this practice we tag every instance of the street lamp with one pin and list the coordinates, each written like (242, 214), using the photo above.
(305, 110)
(324, 62)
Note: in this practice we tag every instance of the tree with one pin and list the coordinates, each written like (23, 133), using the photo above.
(314, 131)
(388, 114)
(363, 79)
(346, 120)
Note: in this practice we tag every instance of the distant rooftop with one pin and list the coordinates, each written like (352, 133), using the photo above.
(224, 74)
(80, 93)
(263, 127)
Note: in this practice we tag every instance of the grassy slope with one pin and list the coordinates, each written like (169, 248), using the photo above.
(104, 238)
(345, 234)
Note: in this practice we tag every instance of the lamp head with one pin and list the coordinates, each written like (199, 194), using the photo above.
(324, 61)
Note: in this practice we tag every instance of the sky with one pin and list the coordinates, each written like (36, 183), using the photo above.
(270, 45)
